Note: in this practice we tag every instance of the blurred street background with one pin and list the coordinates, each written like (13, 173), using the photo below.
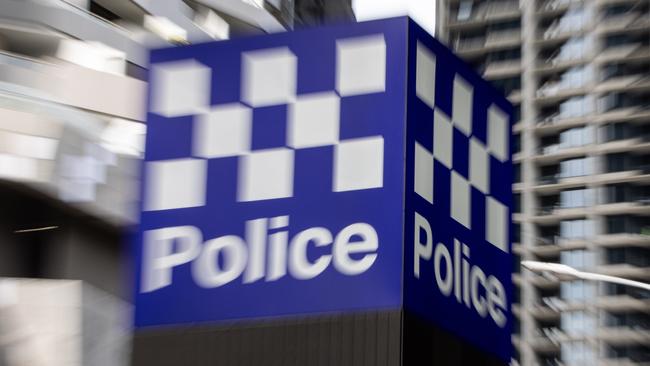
(72, 102)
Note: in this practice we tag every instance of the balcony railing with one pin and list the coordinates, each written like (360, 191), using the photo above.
(552, 302)
(551, 5)
(549, 179)
(549, 240)
(548, 210)
(489, 10)
(553, 334)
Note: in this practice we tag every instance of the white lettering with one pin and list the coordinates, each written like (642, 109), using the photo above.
(343, 247)
(206, 269)
(266, 253)
(496, 301)
(159, 256)
(299, 265)
(445, 284)
(421, 251)
(466, 280)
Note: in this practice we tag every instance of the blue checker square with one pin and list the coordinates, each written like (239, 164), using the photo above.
(329, 170)
(269, 127)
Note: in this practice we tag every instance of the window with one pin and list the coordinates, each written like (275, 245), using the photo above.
(517, 173)
(633, 353)
(507, 85)
(576, 107)
(579, 136)
(617, 193)
(628, 224)
(635, 256)
(579, 258)
(576, 229)
(505, 55)
(616, 131)
(465, 9)
(573, 49)
(613, 289)
(516, 113)
(578, 353)
(635, 320)
(516, 143)
(576, 198)
(577, 322)
(517, 202)
(617, 162)
(576, 77)
(576, 167)
(504, 26)
(577, 290)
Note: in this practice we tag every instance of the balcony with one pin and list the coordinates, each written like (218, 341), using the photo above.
(488, 11)
(493, 41)
(548, 309)
(547, 340)
(624, 52)
(622, 303)
(634, 207)
(552, 215)
(556, 122)
(638, 144)
(76, 86)
(77, 23)
(553, 154)
(631, 21)
(623, 335)
(639, 175)
(553, 184)
(641, 239)
(553, 92)
(634, 82)
(555, 7)
(500, 69)
(558, 32)
(547, 247)
(625, 271)
(555, 64)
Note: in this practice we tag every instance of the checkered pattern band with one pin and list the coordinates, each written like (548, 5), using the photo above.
(268, 80)
(454, 133)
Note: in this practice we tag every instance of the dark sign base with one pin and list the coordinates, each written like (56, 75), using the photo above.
(387, 338)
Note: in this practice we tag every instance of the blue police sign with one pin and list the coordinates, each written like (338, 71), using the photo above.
(325, 170)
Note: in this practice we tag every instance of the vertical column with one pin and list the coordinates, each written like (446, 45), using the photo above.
(529, 174)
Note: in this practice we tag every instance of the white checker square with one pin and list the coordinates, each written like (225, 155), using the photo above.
(462, 105)
(269, 77)
(443, 132)
(359, 164)
(173, 184)
(180, 88)
(361, 65)
(423, 175)
(479, 166)
(266, 174)
(224, 131)
(498, 132)
(460, 200)
(314, 120)
(425, 75)
(497, 224)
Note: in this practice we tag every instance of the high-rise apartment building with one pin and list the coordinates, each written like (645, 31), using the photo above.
(578, 73)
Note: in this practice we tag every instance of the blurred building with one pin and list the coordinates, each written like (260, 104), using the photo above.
(578, 73)
(72, 101)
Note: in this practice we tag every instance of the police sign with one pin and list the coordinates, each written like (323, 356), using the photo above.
(327, 170)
